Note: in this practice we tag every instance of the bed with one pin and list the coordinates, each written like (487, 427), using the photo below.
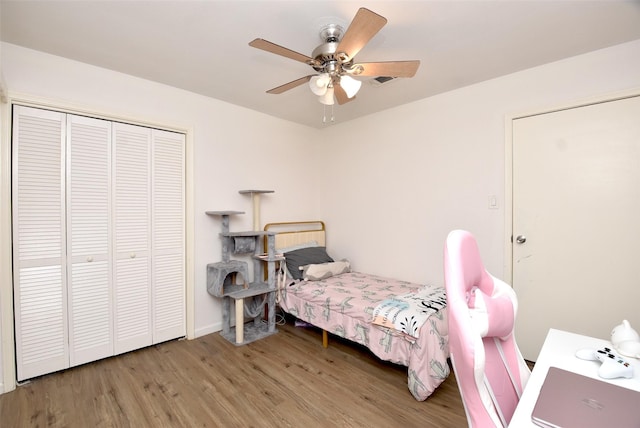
(373, 311)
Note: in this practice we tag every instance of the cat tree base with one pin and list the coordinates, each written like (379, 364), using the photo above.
(250, 333)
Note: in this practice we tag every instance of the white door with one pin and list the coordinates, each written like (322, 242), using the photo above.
(576, 199)
(39, 247)
(99, 238)
(168, 248)
(89, 238)
(132, 219)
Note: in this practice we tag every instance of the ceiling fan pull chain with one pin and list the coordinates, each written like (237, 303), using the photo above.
(324, 114)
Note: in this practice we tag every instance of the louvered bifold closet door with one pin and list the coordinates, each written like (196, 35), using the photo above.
(168, 275)
(132, 219)
(88, 238)
(40, 296)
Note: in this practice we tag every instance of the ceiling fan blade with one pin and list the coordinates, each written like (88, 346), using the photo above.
(268, 46)
(340, 94)
(364, 26)
(388, 68)
(290, 85)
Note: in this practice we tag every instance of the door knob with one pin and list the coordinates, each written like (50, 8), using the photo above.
(521, 239)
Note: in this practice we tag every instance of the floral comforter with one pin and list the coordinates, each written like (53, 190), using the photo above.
(343, 305)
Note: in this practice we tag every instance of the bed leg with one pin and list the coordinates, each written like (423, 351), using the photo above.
(325, 339)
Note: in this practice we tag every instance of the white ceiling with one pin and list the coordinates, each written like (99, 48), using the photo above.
(202, 46)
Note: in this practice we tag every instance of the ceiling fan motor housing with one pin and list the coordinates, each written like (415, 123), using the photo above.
(325, 59)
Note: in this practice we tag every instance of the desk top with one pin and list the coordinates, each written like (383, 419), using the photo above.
(559, 350)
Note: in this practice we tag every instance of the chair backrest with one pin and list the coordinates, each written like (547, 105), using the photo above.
(489, 368)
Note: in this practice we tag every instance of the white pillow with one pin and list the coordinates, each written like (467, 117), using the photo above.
(322, 271)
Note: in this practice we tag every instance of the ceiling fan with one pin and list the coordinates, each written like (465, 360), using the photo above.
(334, 62)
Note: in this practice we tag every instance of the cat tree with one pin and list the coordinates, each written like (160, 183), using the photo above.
(229, 279)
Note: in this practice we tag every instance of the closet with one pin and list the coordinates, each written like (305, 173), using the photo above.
(98, 238)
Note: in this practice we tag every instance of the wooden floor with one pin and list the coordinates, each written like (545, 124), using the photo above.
(284, 380)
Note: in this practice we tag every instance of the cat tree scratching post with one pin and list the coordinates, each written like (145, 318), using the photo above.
(255, 198)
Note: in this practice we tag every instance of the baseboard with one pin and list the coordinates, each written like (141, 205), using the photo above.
(211, 328)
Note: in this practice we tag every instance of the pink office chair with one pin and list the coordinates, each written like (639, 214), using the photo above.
(489, 368)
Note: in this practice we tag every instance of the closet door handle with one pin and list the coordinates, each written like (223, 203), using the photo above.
(89, 259)
(132, 255)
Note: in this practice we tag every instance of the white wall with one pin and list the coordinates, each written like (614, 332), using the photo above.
(402, 179)
(232, 149)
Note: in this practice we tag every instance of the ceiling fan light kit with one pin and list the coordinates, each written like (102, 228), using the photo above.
(333, 60)
(327, 97)
(350, 85)
(322, 84)
(319, 83)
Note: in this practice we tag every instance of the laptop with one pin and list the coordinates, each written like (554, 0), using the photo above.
(569, 400)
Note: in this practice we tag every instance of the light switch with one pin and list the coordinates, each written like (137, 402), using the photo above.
(493, 202)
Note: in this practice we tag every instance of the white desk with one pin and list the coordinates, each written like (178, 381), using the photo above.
(559, 350)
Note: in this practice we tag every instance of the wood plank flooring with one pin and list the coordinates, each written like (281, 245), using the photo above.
(284, 380)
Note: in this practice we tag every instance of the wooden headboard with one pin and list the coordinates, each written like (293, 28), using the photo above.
(293, 233)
